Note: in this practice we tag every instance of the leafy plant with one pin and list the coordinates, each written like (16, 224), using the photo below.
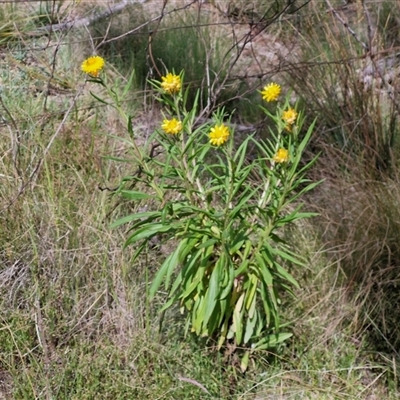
(224, 215)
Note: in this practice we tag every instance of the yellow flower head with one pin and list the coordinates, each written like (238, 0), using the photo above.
(93, 65)
(289, 116)
(219, 135)
(172, 126)
(171, 83)
(271, 92)
(281, 156)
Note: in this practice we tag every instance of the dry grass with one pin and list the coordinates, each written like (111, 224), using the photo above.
(361, 234)
(75, 321)
(353, 93)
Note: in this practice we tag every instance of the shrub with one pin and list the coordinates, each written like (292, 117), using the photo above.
(227, 270)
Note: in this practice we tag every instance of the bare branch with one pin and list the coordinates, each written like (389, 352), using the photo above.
(346, 25)
(117, 8)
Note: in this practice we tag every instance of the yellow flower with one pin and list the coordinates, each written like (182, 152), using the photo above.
(289, 116)
(219, 135)
(271, 92)
(93, 65)
(281, 156)
(171, 83)
(172, 126)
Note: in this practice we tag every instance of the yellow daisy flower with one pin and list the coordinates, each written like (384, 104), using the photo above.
(281, 156)
(271, 92)
(93, 65)
(171, 83)
(219, 135)
(172, 126)
(289, 116)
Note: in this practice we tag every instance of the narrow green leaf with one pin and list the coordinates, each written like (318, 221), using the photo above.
(133, 195)
(130, 127)
(208, 243)
(198, 313)
(236, 244)
(294, 217)
(119, 159)
(191, 284)
(304, 190)
(262, 266)
(133, 217)
(243, 203)
(250, 293)
(99, 98)
(242, 268)
(266, 305)
(244, 363)
(241, 153)
(212, 292)
(167, 267)
(272, 341)
(237, 319)
(175, 259)
(222, 334)
(148, 231)
(229, 270)
(286, 275)
(250, 324)
(285, 255)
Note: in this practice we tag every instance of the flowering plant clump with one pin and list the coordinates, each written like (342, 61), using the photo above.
(228, 265)
(93, 66)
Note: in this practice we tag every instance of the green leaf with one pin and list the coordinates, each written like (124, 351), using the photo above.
(244, 363)
(160, 276)
(130, 127)
(272, 341)
(263, 267)
(193, 264)
(166, 269)
(230, 279)
(242, 268)
(119, 159)
(304, 190)
(208, 243)
(100, 99)
(148, 231)
(294, 217)
(175, 259)
(129, 84)
(133, 217)
(268, 307)
(267, 289)
(222, 334)
(241, 153)
(198, 314)
(133, 195)
(243, 203)
(236, 245)
(285, 275)
(237, 319)
(250, 293)
(212, 293)
(250, 324)
(285, 255)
